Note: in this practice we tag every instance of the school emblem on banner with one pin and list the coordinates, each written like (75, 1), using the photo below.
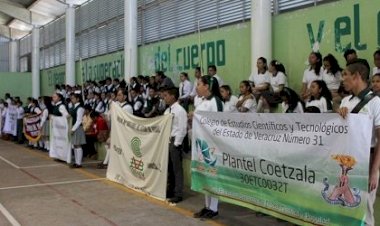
(32, 128)
(137, 165)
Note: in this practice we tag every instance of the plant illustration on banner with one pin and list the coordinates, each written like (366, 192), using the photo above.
(342, 194)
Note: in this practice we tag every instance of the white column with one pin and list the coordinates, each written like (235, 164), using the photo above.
(36, 62)
(261, 31)
(13, 56)
(130, 34)
(70, 45)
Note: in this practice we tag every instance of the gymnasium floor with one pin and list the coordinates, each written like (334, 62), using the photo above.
(36, 191)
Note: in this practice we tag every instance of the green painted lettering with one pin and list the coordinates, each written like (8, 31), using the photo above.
(220, 53)
(186, 58)
(210, 53)
(164, 61)
(178, 63)
(311, 33)
(342, 31)
(194, 56)
(157, 60)
(358, 45)
(378, 29)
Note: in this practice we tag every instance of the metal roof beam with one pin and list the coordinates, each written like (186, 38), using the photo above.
(19, 12)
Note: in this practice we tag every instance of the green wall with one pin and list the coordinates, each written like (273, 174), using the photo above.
(17, 84)
(336, 26)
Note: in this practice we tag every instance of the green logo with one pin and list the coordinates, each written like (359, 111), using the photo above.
(135, 145)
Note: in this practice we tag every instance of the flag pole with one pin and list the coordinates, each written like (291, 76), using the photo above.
(200, 48)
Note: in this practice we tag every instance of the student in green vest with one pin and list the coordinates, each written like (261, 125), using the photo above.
(59, 109)
(78, 137)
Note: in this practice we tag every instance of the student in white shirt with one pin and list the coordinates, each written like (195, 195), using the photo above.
(185, 88)
(261, 80)
(197, 75)
(314, 72)
(291, 102)
(376, 61)
(122, 100)
(320, 97)
(376, 84)
(99, 104)
(332, 75)
(212, 71)
(246, 101)
(278, 80)
(355, 78)
(229, 100)
(208, 88)
(178, 133)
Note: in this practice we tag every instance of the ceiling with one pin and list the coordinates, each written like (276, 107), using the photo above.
(18, 17)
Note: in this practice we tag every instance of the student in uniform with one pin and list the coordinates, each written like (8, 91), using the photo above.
(178, 133)
(314, 72)
(229, 100)
(376, 61)
(260, 81)
(78, 137)
(278, 80)
(291, 102)
(208, 88)
(185, 88)
(150, 109)
(20, 119)
(363, 101)
(376, 84)
(350, 55)
(212, 71)
(137, 102)
(44, 123)
(99, 104)
(332, 75)
(34, 110)
(246, 101)
(320, 97)
(122, 99)
(59, 108)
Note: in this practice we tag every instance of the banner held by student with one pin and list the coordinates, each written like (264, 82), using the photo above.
(139, 152)
(60, 145)
(309, 169)
(32, 127)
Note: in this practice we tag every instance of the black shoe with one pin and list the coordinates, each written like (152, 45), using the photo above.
(75, 166)
(175, 199)
(169, 195)
(201, 213)
(210, 214)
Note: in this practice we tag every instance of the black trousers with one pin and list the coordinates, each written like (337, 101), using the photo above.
(89, 147)
(20, 134)
(175, 171)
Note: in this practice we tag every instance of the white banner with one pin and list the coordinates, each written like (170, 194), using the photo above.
(1, 121)
(60, 144)
(10, 124)
(310, 169)
(139, 152)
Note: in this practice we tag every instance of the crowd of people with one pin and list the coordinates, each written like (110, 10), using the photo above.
(326, 88)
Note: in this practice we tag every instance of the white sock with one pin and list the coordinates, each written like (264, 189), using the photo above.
(214, 204)
(107, 158)
(78, 152)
